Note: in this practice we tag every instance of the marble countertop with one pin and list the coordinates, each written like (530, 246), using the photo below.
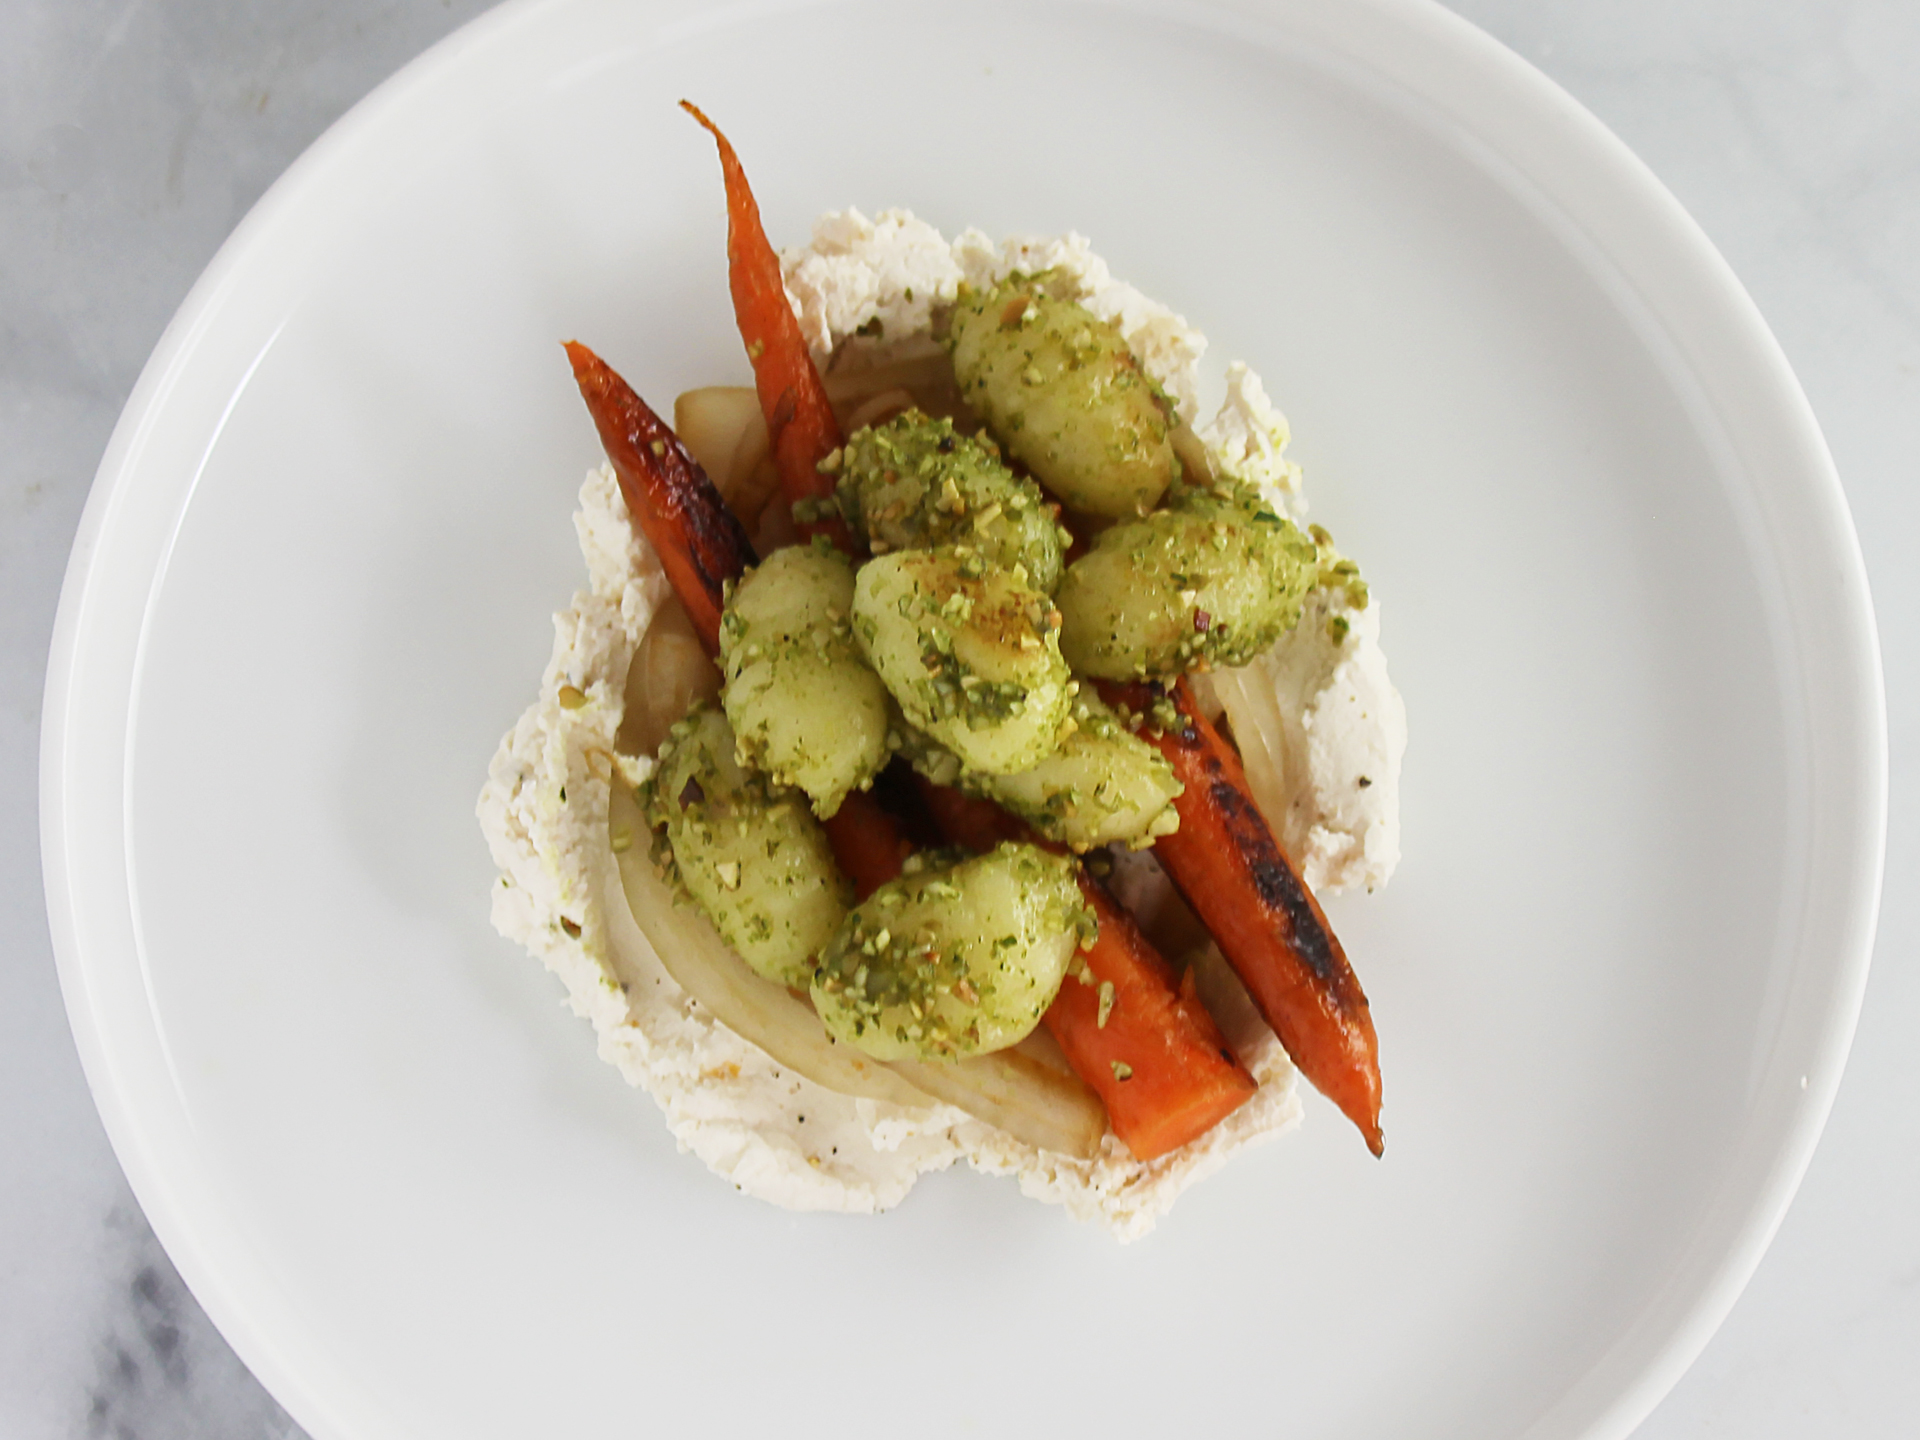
(134, 136)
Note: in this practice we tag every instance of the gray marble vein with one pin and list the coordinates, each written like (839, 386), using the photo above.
(134, 135)
(159, 1370)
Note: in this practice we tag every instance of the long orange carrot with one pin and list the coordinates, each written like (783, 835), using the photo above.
(799, 416)
(1149, 1049)
(1226, 862)
(700, 545)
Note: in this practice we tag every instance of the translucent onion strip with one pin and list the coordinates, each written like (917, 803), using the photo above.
(922, 369)
(1031, 1100)
(700, 963)
(1246, 696)
(723, 426)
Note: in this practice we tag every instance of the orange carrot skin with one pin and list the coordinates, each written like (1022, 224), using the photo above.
(1226, 862)
(867, 843)
(799, 416)
(1183, 1078)
(700, 544)
(1156, 1057)
(702, 547)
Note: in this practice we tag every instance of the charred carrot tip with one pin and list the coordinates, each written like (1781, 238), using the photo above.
(700, 543)
(583, 360)
(1226, 861)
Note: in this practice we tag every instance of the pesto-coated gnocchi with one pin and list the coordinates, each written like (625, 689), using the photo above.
(1214, 579)
(804, 707)
(915, 483)
(747, 850)
(971, 654)
(957, 957)
(1065, 395)
(1103, 786)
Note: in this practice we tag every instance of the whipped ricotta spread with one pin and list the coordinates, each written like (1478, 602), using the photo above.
(865, 292)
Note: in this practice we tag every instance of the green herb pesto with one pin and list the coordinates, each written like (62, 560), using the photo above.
(746, 849)
(1063, 392)
(803, 704)
(1213, 579)
(957, 957)
(1104, 785)
(915, 483)
(1336, 571)
(971, 656)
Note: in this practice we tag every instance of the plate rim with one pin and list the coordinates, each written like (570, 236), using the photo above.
(1395, 43)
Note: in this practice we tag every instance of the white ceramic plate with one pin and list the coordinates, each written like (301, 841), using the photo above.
(1615, 978)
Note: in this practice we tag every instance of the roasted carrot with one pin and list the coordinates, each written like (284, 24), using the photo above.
(1226, 862)
(867, 842)
(792, 397)
(1149, 1050)
(676, 498)
(700, 545)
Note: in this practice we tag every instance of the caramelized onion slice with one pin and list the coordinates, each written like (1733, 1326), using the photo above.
(922, 368)
(1030, 1099)
(725, 429)
(642, 910)
(723, 426)
(670, 671)
(1260, 735)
